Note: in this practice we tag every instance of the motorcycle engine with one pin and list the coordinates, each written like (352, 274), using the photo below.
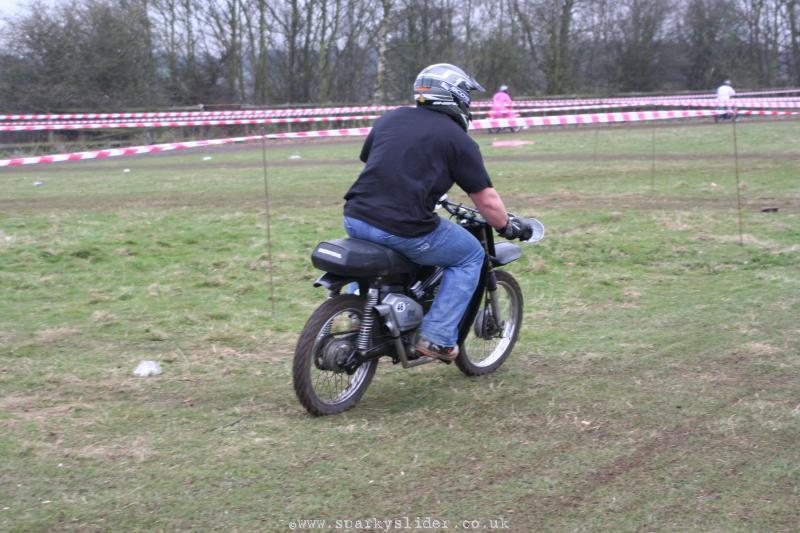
(407, 311)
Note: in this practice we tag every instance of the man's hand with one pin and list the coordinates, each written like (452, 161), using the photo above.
(516, 228)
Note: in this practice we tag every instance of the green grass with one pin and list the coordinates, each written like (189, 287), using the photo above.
(654, 386)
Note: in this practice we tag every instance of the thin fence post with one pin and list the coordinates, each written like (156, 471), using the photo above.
(738, 188)
(269, 230)
(653, 164)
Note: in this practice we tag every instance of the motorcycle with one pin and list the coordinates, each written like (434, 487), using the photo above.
(501, 114)
(726, 113)
(338, 350)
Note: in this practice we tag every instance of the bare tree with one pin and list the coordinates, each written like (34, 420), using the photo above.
(106, 53)
(707, 54)
(258, 42)
(93, 55)
(791, 13)
(639, 43)
(383, 43)
(356, 70)
(548, 32)
(227, 23)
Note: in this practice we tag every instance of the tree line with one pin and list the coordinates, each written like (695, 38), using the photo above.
(111, 54)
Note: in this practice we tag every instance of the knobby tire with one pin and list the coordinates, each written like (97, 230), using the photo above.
(312, 338)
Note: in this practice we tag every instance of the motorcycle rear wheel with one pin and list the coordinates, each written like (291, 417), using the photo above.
(486, 346)
(331, 329)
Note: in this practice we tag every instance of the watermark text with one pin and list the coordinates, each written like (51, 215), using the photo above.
(399, 524)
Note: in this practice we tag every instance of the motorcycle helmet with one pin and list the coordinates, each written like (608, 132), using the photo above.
(726, 82)
(445, 88)
(504, 88)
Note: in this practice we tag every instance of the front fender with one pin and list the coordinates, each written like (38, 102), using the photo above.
(505, 252)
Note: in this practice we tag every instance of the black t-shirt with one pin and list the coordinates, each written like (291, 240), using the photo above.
(413, 156)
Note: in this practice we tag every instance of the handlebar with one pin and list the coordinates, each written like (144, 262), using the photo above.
(472, 216)
(461, 211)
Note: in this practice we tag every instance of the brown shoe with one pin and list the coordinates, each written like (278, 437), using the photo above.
(427, 348)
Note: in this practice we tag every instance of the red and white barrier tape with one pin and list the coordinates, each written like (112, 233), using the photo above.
(172, 118)
(561, 120)
(605, 118)
(752, 103)
(323, 111)
(58, 126)
(157, 148)
(177, 123)
(578, 101)
(350, 109)
(741, 104)
(651, 101)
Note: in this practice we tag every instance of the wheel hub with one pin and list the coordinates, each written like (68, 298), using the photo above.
(485, 326)
(335, 353)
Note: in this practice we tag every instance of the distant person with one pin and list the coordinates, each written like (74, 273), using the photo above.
(502, 104)
(725, 91)
(725, 94)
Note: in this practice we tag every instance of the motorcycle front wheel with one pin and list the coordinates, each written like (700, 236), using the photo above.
(329, 336)
(491, 339)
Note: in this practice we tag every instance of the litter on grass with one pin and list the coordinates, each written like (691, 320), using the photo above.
(147, 369)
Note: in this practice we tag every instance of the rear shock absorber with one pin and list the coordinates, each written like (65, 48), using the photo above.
(366, 322)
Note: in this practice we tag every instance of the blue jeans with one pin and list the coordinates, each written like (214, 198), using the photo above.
(449, 246)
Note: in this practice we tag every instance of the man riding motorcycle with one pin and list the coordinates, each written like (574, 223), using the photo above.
(413, 156)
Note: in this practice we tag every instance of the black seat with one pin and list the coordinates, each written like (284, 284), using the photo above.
(359, 258)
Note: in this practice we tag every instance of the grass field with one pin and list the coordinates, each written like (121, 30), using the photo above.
(654, 388)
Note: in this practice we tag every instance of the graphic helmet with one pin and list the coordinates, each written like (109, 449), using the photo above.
(445, 87)
(504, 88)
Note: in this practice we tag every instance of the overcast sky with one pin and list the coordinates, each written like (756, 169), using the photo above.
(12, 7)
(7, 7)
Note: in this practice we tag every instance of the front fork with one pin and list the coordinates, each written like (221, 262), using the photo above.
(491, 289)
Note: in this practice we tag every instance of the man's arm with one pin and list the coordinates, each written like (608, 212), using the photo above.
(491, 207)
(365, 149)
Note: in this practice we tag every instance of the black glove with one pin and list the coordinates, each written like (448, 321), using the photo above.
(516, 229)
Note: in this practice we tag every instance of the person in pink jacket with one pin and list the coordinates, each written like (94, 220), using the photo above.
(502, 104)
